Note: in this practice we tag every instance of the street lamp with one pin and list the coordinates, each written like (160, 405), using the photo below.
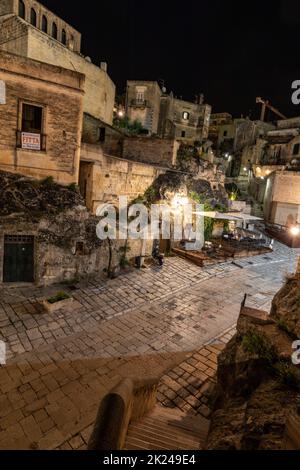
(295, 231)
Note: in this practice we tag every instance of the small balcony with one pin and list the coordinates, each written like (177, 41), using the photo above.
(31, 141)
(139, 103)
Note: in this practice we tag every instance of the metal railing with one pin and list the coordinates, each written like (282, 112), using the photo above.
(139, 103)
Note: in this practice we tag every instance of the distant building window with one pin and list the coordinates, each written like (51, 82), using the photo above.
(64, 37)
(22, 11)
(182, 133)
(140, 96)
(54, 30)
(296, 149)
(44, 24)
(33, 17)
(185, 115)
(225, 133)
(71, 42)
(32, 118)
(102, 134)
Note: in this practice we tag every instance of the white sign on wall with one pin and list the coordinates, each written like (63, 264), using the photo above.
(2, 92)
(31, 141)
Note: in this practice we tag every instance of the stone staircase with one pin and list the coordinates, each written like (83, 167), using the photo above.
(167, 429)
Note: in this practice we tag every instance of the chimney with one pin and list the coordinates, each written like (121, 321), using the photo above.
(103, 66)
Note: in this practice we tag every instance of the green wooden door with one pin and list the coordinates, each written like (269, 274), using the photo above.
(18, 258)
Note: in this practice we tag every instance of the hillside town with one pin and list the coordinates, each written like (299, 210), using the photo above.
(140, 343)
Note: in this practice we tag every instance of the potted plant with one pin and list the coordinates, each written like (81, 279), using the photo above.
(58, 301)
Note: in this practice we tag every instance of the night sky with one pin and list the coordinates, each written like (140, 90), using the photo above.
(231, 51)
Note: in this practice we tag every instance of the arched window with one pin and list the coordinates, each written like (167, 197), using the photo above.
(64, 37)
(22, 9)
(33, 17)
(54, 30)
(71, 42)
(44, 24)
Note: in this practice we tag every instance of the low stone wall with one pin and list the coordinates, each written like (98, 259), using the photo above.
(128, 401)
(153, 151)
(103, 178)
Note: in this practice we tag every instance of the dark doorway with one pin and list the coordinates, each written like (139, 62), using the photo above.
(18, 263)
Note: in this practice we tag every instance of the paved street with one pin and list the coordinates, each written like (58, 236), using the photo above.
(144, 323)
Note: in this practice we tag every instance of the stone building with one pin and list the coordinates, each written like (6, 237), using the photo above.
(282, 198)
(40, 119)
(283, 144)
(247, 134)
(143, 103)
(165, 115)
(98, 132)
(183, 120)
(29, 29)
(277, 148)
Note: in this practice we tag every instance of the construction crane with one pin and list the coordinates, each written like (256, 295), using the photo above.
(265, 105)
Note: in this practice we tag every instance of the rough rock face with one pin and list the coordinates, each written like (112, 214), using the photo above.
(21, 195)
(286, 306)
(65, 241)
(167, 184)
(258, 387)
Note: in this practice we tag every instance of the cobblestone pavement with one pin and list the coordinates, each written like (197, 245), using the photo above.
(188, 385)
(141, 324)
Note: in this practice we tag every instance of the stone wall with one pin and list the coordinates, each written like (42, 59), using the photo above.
(103, 178)
(66, 247)
(13, 35)
(65, 243)
(151, 150)
(99, 89)
(60, 93)
(282, 198)
(98, 132)
(7, 7)
(12, 7)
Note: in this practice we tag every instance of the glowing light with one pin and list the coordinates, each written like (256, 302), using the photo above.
(245, 169)
(120, 113)
(268, 172)
(295, 231)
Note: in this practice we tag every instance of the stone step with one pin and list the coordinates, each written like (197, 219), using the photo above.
(189, 422)
(138, 444)
(177, 428)
(174, 440)
(167, 429)
(163, 430)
